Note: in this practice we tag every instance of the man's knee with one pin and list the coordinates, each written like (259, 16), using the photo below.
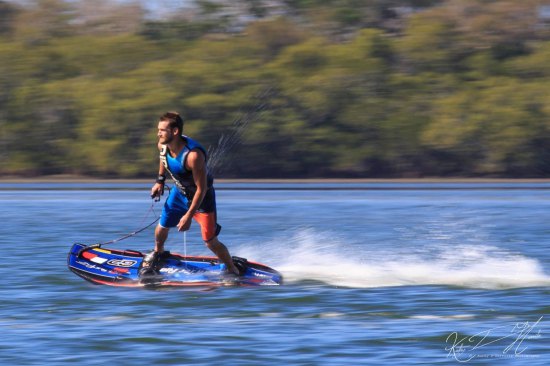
(161, 233)
(210, 242)
(161, 230)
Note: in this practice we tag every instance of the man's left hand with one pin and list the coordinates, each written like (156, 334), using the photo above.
(185, 223)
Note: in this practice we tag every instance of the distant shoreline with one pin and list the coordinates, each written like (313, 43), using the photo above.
(72, 179)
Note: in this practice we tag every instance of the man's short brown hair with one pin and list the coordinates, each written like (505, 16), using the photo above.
(174, 119)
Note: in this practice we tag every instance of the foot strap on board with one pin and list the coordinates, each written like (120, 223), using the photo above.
(149, 264)
(241, 264)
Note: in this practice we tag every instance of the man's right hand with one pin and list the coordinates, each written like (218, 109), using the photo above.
(157, 190)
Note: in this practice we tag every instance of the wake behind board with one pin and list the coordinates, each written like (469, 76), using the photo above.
(112, 267)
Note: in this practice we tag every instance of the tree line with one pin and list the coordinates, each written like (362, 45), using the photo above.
(307, 89)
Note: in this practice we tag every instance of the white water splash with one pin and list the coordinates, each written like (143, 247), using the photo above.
(233, 137)
(319, 257)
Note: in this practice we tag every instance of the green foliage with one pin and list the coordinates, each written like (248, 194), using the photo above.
(340, 88)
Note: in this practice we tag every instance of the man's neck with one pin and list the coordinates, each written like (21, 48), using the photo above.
(176, 145)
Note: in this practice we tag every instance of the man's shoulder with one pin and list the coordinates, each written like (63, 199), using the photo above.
(194, 145)
(190, 142)
(195, 153)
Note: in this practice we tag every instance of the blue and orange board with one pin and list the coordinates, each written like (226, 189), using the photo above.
(113, 267)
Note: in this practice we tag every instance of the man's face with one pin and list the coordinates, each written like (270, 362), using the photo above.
(165, 133)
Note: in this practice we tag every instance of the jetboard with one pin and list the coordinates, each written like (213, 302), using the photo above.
(121, 268)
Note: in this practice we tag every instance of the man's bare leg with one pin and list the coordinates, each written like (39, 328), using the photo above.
(151, 260)
(218, 248)
(161, 234)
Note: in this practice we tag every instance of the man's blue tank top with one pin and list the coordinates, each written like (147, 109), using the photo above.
(176, 166)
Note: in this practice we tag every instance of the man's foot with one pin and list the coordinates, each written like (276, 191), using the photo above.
(241, 264)
(229, 278)
(150, 264)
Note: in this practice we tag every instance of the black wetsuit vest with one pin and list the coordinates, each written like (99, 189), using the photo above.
(183, 178)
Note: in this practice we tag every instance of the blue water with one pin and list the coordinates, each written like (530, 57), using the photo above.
(375, 274)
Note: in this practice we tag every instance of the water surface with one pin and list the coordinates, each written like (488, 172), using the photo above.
(375, 274)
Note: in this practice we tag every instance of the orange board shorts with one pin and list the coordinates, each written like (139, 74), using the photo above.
(176, 206)
(209, 227)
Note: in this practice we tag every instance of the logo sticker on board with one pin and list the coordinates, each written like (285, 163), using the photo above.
(121, 262)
